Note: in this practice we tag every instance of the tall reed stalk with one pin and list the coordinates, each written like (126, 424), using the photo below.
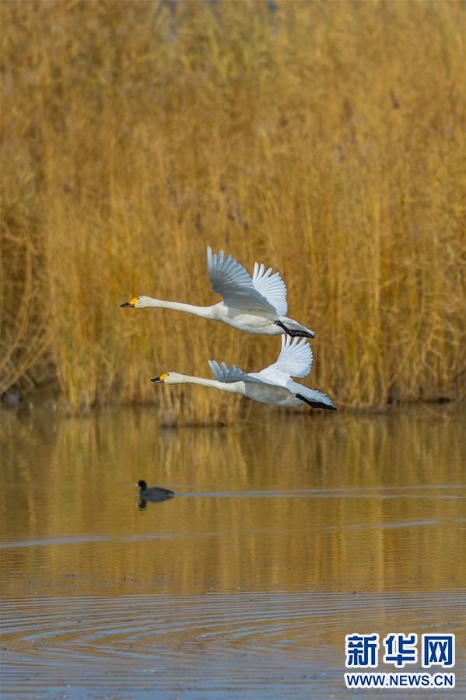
(323, 139)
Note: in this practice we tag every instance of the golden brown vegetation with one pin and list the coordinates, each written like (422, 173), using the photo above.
(323, 139)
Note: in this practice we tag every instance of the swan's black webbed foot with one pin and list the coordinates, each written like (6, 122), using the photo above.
(294, 334)
(315, 404)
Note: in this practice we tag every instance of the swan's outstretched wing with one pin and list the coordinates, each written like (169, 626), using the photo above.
(294, 360)
(230, 279)
(271, 286)
(228, 375)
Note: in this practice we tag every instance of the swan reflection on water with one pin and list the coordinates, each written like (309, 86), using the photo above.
(153, 494)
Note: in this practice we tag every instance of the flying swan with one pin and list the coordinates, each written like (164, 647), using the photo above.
(254, 304)
(271, 385)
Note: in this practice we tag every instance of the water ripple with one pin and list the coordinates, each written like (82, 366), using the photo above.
(232, 644)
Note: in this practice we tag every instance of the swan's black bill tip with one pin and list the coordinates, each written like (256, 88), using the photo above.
(157, 379)
(126, 304)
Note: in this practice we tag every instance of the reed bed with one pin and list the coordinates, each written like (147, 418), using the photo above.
(323, 139)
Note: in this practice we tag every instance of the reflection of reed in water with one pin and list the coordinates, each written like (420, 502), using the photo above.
(292, 502)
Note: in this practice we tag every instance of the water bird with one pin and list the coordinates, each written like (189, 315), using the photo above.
(11, 398)
(153, 493)
(254, 304)
(272, 385)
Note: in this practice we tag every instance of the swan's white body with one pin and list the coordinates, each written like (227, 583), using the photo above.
(271, 385)
(254, 304)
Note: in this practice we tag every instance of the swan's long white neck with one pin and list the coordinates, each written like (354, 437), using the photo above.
(204, 311)
(214, 383)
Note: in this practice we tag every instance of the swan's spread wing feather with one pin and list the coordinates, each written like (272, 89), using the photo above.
(230, 279)
(231, 374)
(226, 374)
(294, 360)
(271, 286)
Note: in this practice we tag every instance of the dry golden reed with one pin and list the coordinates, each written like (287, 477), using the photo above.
(325, 139)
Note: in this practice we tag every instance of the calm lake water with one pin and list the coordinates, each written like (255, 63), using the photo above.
(284, 536)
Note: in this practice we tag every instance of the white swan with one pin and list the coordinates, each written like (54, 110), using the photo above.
(271, 385)
(255, 305)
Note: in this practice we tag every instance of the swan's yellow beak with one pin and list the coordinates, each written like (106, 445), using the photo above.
(131, 303)
(160, 379)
